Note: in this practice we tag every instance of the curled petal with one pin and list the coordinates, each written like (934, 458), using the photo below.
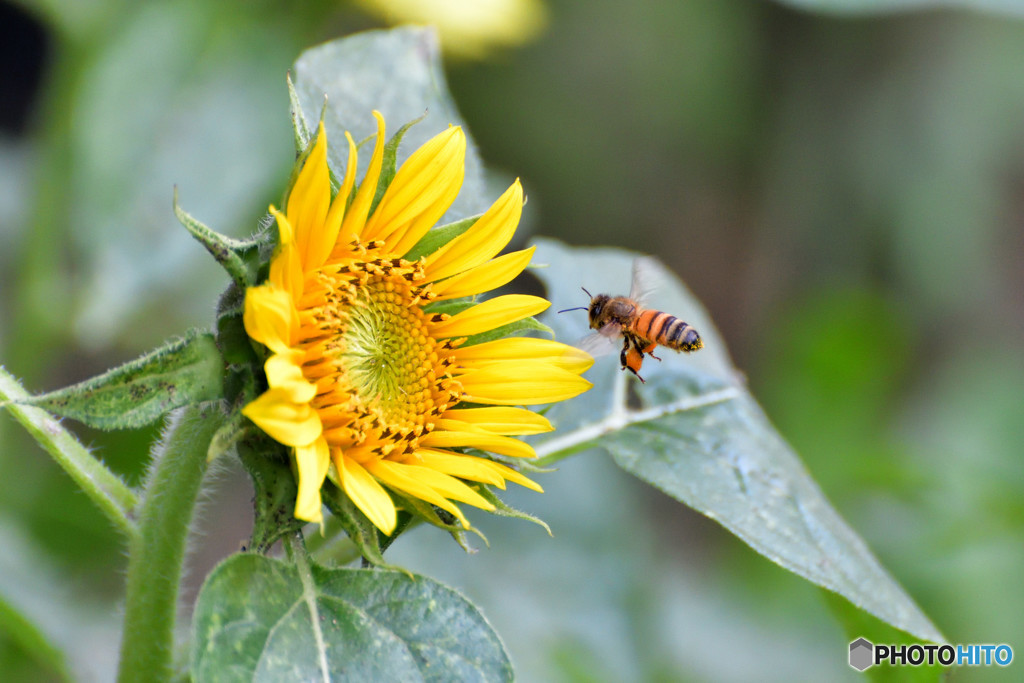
(284, 371)
(293, 424)
(312, 462)
(270, 317)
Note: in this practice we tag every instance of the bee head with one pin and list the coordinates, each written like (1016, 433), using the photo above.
(597, 305)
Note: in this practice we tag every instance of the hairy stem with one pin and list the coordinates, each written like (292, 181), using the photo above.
(156, 555)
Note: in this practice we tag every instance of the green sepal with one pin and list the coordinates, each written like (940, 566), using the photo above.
(299, 126)
(240, 258)
(232, 339)
(274, 490)
(504, 510)
(513, 329)
(360, 530)
(440, 236)
(442, 519)
(237, 349)
(182, 372)
(519, 464)
(451, 306)
(389, 164)
(236, 428)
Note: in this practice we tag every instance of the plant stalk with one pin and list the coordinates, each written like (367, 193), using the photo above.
(157, 553)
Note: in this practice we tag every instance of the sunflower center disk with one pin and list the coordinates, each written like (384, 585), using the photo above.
(383, 380)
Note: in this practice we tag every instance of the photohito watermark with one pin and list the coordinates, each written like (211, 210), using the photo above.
(864, 654)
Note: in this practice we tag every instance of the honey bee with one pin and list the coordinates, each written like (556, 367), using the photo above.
(642, 329)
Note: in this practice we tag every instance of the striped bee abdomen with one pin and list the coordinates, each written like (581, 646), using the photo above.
(667, 330)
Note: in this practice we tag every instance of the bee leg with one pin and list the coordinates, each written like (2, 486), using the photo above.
(632, 357)
(649, 350)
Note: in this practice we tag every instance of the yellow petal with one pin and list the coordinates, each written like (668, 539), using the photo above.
(487, 237)
(513, 476)
(310, 196)
(490, 314)
(422, 190)
(286, 266)
(523, 383)
(368, 495)
(474, 468)
(355, 217)
(485, 277)
(524, 348)
(322, 242)
(312, 462)
(284, 371)
(270, 317)
(293, 424)
(395, 476)
(464, 466)
(445, 437)
(447, 486)
(502, 420)
(403, 239)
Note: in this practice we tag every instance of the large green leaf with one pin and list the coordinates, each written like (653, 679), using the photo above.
(1012, 7)
(261, 619)
(697, 434)
(398, 73)
(142, 391)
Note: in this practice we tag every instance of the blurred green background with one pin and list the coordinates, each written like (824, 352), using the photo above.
(844, 193)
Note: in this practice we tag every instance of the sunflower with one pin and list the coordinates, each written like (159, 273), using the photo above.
(369, 383)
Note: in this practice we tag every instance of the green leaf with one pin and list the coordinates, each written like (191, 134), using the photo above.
(397, 72)
(859, 624)
(261, 619)
(696, 433)
(138, 393)
(1011, 7)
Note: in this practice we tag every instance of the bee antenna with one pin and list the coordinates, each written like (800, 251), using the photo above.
(586, 292)
(578, 308)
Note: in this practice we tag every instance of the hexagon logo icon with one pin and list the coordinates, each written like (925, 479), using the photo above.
(861, 654)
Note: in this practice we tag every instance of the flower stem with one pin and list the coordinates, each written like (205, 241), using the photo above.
(156, 555)
(104, 488)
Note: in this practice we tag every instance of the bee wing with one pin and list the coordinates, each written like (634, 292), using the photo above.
(643, 283)
(597, 344)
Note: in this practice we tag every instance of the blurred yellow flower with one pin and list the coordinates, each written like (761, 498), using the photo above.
(366, 384)
(469, 28)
